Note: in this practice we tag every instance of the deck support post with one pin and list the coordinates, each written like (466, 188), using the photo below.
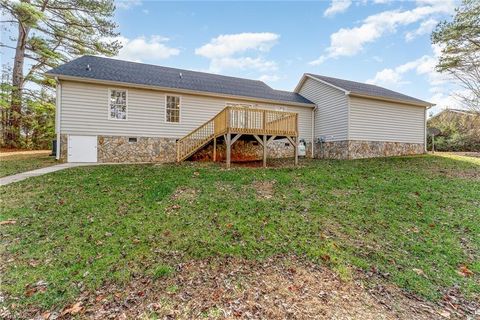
(264, 150)
(215, 149)
(229, 149)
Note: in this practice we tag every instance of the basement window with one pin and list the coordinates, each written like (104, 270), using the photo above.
(132, 140)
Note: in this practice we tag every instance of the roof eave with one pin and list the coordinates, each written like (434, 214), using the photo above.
(307, 75)
(413, 103)
(177, 90)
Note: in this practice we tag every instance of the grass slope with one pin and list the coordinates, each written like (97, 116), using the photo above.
(16, 163)
(415, 220)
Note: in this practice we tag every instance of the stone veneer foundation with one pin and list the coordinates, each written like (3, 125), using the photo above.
(118, 149)
(145, 149)
(249, 151)
(354, 149)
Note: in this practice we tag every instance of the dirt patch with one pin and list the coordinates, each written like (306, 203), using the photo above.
(185, 194)
(342, 192)
(264, 189)
(278, 288)
(223, 186)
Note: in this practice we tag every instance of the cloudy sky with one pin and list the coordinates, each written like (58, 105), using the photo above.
(384, 42)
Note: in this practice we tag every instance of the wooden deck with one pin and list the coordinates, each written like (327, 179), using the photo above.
(233, 122)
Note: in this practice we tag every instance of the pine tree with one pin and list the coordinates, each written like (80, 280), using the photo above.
(48, 33)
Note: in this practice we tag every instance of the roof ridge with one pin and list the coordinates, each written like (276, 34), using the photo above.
(172, 68)
(367, 89)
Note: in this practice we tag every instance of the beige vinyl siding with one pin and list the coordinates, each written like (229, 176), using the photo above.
(85, 108)
(331, 117)
(376, 120)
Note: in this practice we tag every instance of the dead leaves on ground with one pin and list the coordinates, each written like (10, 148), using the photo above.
(464, 271)
(72, 310)
(7, 222)
(31, 289)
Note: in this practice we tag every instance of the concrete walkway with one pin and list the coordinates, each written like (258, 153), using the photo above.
(39, 172)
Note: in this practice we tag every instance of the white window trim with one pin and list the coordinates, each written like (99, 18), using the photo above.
(108, 103)
(179, 110)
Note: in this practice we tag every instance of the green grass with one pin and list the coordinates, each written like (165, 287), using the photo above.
(90, 225)
(12, 164)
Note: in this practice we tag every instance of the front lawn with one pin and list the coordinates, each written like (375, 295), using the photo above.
(16, 162)
(415, 221)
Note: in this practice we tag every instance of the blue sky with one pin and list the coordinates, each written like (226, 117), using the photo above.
(383, 42)
(378, 41)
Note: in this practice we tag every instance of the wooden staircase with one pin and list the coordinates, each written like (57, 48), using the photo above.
(239, 120)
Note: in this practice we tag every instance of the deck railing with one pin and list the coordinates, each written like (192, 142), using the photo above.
(240, 121)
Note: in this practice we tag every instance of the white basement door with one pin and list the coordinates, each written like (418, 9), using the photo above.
(82, 148)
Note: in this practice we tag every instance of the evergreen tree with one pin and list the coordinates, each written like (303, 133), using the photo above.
(48, 33)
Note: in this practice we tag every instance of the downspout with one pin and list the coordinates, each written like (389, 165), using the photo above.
(313, 131)
(57, 123)
(425, 131)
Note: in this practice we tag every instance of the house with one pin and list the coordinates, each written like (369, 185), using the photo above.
(117, 111)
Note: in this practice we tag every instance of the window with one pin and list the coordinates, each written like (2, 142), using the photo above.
(118, 104)
(132, 140)
(172, 109)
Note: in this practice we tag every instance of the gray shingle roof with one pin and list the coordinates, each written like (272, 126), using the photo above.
(367, 89)
(152, 75)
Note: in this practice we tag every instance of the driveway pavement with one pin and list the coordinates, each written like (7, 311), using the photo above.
(39, 172)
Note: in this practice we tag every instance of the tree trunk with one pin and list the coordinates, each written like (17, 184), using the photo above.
(15, 121)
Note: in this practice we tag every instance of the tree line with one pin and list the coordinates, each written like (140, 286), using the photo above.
(45, 34)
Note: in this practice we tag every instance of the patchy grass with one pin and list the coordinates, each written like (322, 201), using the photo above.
(16, 162)
(413, 220)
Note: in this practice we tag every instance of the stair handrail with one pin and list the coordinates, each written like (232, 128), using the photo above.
(181, 152)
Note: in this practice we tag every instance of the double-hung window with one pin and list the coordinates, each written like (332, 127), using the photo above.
(118, 104)
(172, 109)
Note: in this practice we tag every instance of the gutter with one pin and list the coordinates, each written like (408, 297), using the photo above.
(176, 90)
(413, 103)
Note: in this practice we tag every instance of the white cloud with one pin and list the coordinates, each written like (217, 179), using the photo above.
(387, 77)
(229, 51)
(127, 4)
(269, 78)
(337, 6)
(425, 65)
(350, 41)
(425, 27)
(260, 64)
(146, 49)
(146, 11)
(229, 44)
